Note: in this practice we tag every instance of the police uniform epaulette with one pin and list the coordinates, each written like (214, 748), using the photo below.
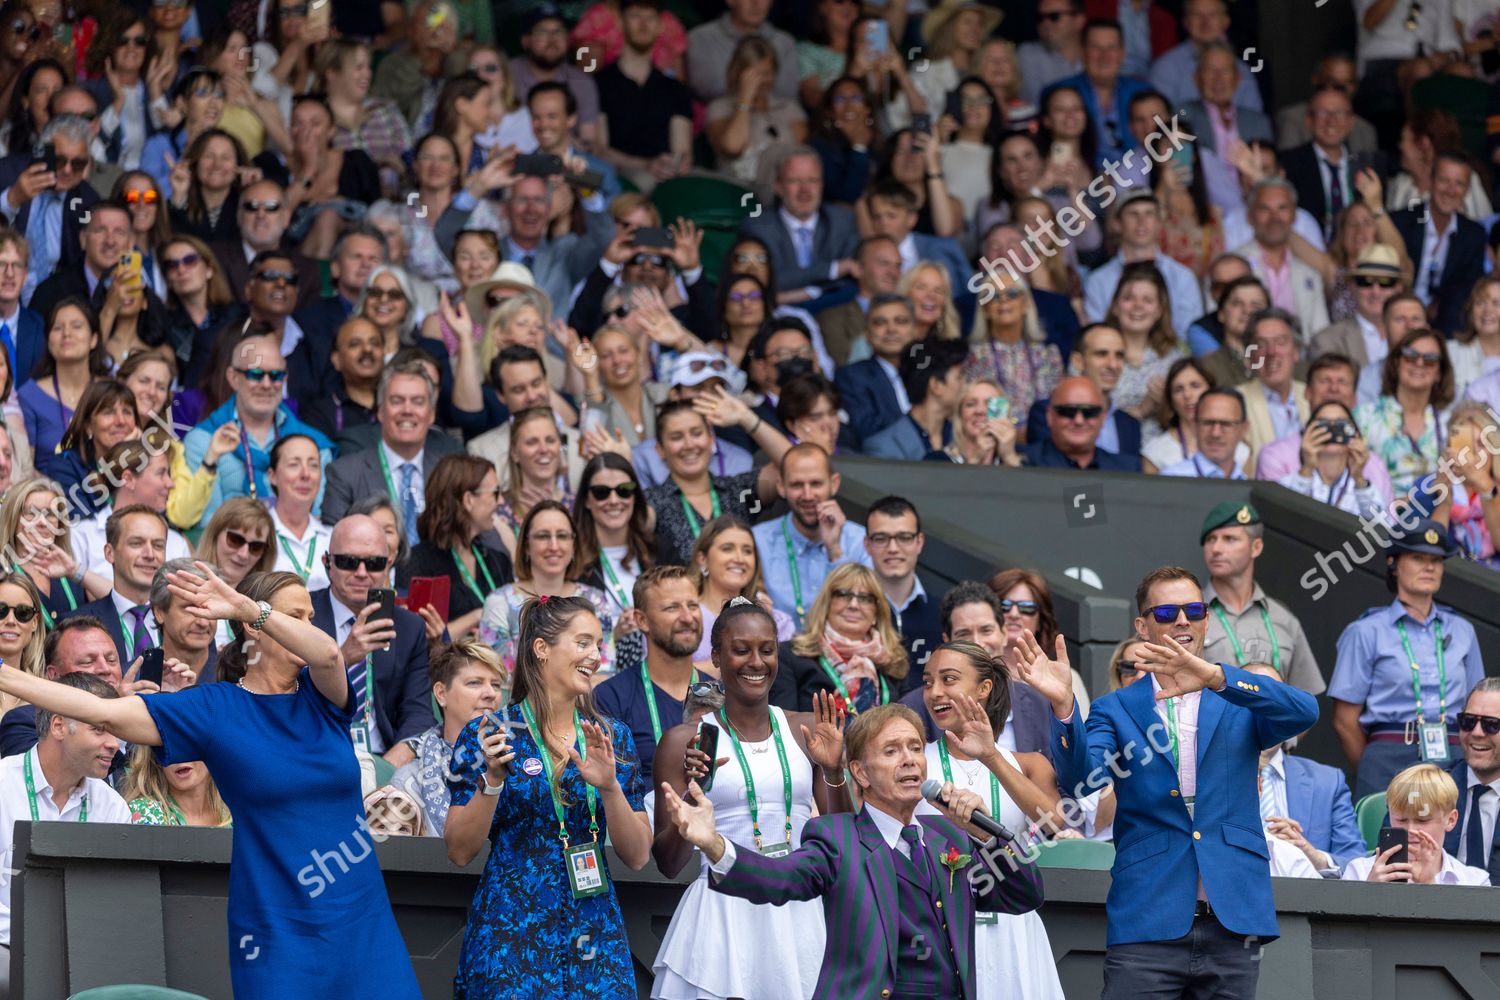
(1373, 611)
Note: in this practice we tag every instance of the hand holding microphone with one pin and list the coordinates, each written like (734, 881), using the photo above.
(956, 804)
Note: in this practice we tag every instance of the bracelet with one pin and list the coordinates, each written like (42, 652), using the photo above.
(830, 784)
(758, 421)
(210, 466)
(490, 789)
(744, 107)
(260, 620)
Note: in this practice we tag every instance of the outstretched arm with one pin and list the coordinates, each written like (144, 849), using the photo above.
(126, 718)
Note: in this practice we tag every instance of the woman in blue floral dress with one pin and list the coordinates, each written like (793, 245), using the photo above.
(545, 923)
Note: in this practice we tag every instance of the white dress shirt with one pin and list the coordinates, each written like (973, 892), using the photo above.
(313, 545)
(343, 624)
(893, 374)
(1434, 260)
(1376, 346)
(127, 624)
(105, 806)
(418, 480)
(1453, 871)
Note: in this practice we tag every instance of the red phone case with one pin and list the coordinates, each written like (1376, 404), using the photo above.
(433, 590)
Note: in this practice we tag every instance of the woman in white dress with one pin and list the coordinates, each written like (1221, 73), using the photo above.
(771, 766)
(964, 689)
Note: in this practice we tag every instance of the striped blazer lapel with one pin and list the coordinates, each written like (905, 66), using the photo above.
(881, 870)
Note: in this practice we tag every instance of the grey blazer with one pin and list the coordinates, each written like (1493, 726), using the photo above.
(1343, 338)
(358, 475)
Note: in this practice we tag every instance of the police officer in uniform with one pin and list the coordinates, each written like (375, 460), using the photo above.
(1404, 669)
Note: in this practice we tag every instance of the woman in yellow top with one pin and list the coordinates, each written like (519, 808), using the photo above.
(149, 376)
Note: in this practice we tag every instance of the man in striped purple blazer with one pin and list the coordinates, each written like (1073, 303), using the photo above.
(900, 892)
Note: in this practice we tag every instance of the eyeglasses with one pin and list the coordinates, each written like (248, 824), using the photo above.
(859, 596)
(1466, 720)
(276, 375)
(238, 541)
(23, 612)
(601, 492)
(751, 258)
(751, 296)
(1366, 282)
(1220, 426)
(1072, 411)
(170, 264)
(881, 539)
(1021, 607)
(654, 259)
(146, 197)
(548, 537)
(18, 27)
(977, 101)
(351, 564)
(290, 277)
(72, 164)
(1424, 359)
(7, 266)
(385, 294)
(1011, 293)
(270, 206)
(1166, 614)
(706, 686)
(139, 41)
(295, 10)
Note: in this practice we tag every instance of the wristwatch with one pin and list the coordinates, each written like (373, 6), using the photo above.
(490, 789)
(265, 612)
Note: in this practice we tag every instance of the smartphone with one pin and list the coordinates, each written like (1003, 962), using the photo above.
(489, 725)
(45, 153)
(1060, 153)
(921, 122)
(659, 237)
(131, 264)
(433, 590)
(386, 598)
(1390, 836)
(151, 665)
(877, 37)
(590, 180)
(538, 165)
(319, 13)
(998, 408)
(708, 741)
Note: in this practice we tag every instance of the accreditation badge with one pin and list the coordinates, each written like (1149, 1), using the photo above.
(360, 734)
(1435, 742)
(585, 870)
(776, 850)
(982, 917)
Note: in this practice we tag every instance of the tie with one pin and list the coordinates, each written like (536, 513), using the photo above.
(357, 674)
(528, 261)
(912, 834)
(804, 246)
(1267, 792)
(9, 342)
(141, 639)
(1475, 854)
(409, 501)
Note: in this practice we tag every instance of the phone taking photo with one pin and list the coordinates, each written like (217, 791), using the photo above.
(1391, 836)
(151, 665)
(386, 598)
(707, 740)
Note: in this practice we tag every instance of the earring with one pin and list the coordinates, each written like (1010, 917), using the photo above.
(703, 570)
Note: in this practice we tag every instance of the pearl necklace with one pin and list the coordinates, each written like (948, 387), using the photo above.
(296, 684)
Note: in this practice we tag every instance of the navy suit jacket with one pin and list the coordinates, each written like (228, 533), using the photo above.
(1127, 428)
(76, 205)
(1462, 268)
(104, 610)
(31, 343)
(403, 694)
(1317, 796)
(1031, 719)
(869, 398)
(834, 238)
(310, 367)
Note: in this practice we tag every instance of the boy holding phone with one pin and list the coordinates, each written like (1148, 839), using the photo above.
(1423, 802)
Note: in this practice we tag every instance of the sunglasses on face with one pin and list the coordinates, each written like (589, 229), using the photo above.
(839, 100)
(290, 277)
(1127, 668)
(139, 41)
(619, 312)
(1166, 614)
(276, 375)
(1366, 282)
(270, 207)
(19, 27)
(23, 612)
(170, 264)
(1021, 607)
(601, 492)
(296, 10)
(385, 294)
(1426, 359)
(716, 365)
(859, 596)
(72, 164)
(1072, 411)
(351, 564)
(751, 296)
(1466, 720)
(239, 541)
(655, 260)
(146, 197)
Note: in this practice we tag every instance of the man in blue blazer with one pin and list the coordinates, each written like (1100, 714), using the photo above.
(1444, 285)
(387, 659)
(811, 244)
(1191, 881)
(873, 394)
(900, 923)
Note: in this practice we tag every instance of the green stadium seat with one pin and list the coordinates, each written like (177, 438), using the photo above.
(1369, 812)
(134, 992)
(1094, 855)
(717, 206)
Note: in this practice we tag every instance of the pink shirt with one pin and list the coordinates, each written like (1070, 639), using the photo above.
(1185, 709)
(1283, 457)
(1278, 282)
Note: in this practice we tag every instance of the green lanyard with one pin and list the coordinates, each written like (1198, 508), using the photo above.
(546, 754)
(132, 637)
(791, 561)
(618, 593)
(833, 675)
(390, 485)
(694, 524)
(1172, 741)
(651, 699)
(786, 777)
(83, 810)
(469, 580)
(297, 566)
(942, 745)
(1416, 671)
(1234, 640)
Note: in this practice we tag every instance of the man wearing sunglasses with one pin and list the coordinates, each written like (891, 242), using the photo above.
(1190, 738)
(1075, 417)
(52, 208)
(1403, 669)
(386, 660)
(270, 294)
(1377, 277)
(263, 214)
(1447, 247)
(1058, 52)
(1473, 839)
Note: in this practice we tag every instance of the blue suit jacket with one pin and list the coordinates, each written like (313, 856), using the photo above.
(869, 398)
(403, 694)
(1160, 852)
(1317, 796)
(31, 343)
(901, 440)
(845, 862)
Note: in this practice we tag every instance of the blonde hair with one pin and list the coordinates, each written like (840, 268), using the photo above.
(947, 328)
(1421, 791)
(145, 778)
(13, 513)
(960, 439)
(32, 661)
(628, 202)
(1031, 324)
(850, 576)
(503, 315)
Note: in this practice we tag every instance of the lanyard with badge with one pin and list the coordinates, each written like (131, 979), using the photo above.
(769, 850)
(1234, 640)
(612, 584)
(1174, 744)
(298, 567)
(360, 731)
(651, 699)
(695, 525)
(469, 580)
(791, 561)
(1434, 735)
(838, 682)
(584, 864)
(980, 916)
(83, 810)
(390, 485)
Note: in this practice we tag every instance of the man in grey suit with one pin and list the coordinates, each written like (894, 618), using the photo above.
(397, 467)
(1217, 121)
(810, 243)
(557, 263)
(1376, 277)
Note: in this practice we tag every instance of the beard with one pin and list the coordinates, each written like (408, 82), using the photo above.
(670, 644)
(548, 63)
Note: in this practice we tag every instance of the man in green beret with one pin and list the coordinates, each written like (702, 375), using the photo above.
(1244, 625)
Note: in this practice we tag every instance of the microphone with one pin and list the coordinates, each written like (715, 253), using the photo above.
(932, 791)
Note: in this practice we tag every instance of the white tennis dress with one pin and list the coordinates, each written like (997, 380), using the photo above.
(720, 946)
(1013, 958)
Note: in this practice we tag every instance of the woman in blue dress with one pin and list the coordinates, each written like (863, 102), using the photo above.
(545, 923)
(308, 911)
